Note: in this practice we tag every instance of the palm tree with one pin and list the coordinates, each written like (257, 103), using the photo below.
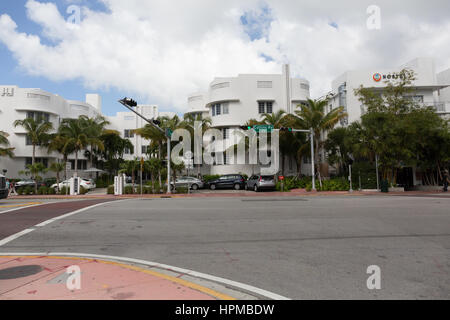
(189, 124)
(130, 167)
(37, 131)
(77, 138)
(313, 116)
(154, 167)
(156, 136)
(57, 167)
(277, 120)
(58, 143)
(33, 170)
(114, 149)
(94, 128)
(4, 141)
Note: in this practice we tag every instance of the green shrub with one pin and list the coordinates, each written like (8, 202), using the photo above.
(19, 191)
(181, 190)
(42, 190)
(51, 191)
(110, 190)
(207, 178)
(64, 190)
(128, 190)
(28, 190)
(335, 184)
(83, 190)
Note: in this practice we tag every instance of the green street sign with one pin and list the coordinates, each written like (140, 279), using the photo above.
(263, 127)
(169, 133)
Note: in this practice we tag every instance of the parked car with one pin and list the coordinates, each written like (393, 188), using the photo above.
(194, 183)
(229, 181)
(260, 182)
(28, 183)
(85, 183)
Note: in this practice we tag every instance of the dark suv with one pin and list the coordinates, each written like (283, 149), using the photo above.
(229, 181)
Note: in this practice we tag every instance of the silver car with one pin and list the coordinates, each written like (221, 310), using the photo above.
(260, 182)
(194, 183)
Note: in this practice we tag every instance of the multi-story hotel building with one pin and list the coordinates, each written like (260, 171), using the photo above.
(20, 103)
(231, 102)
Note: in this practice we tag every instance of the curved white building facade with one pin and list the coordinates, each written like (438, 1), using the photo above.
(231, 102)
(20, 103)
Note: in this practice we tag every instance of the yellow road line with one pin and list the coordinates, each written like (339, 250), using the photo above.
(21, 205)
(183, 282)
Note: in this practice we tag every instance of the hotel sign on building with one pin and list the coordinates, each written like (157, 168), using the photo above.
(7, 92)
(377, 77)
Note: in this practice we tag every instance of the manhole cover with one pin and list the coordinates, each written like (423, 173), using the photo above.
(19, 272)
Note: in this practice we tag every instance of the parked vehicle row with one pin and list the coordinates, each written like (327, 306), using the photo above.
(88, 184)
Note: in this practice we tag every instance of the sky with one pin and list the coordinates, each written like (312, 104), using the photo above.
(159, 52)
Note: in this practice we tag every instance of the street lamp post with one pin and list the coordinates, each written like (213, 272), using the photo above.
(130, 104)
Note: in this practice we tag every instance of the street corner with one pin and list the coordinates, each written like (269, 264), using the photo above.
(41, 277)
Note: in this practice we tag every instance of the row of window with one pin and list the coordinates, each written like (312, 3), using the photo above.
(82, 164)
(128, 133)
(259, 84)
(38, 115)
(219, 108)
(223, 108)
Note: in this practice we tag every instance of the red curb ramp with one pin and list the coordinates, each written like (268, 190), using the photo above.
(46, 278)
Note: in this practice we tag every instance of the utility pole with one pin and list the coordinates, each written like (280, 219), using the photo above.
(130, 104)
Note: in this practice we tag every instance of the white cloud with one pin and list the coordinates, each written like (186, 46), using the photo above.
(161, 51)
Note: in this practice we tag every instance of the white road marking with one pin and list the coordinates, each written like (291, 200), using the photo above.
(235, 284)
(14, 236)
(21, 233)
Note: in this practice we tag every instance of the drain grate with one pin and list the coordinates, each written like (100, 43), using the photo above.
(19, 272)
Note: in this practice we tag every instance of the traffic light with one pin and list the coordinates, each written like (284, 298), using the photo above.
(129, 102)
(245, 128)
(286, 129)
(156, 122)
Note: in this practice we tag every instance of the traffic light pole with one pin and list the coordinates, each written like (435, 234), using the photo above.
(123, 102)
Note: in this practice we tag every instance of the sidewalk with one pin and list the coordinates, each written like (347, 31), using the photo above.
(46, 278)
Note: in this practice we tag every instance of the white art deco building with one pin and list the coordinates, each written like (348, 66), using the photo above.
(20, 103)
(429, 88)
(231, 102)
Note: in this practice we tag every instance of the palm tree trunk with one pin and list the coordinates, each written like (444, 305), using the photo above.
(34, 155)
(65, 167)
(76, 163)
(159, 169)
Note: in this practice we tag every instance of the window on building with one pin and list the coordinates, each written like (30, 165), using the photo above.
(225, 108)
(144, 149)
(264, 84)
(28, 141)
(82, 164)
(38, 115)
(265, 107)
(226, 133)
(261, 107)
(44, 161)
(218, 109)
(128, 133)
(306, 160)
(128, 151)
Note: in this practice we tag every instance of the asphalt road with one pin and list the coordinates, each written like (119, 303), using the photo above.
(302, 248)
